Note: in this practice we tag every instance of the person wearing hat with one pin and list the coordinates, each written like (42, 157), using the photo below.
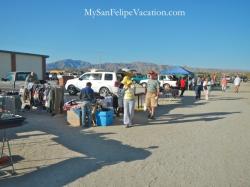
(129, 99)
(30, 80)
(152, 93)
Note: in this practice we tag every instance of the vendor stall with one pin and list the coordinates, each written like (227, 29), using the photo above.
(8, 120)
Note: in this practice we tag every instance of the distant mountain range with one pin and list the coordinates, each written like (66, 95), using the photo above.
(69, 64)
(143, 67)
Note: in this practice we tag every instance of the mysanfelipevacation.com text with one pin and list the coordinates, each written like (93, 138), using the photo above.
(132, 12)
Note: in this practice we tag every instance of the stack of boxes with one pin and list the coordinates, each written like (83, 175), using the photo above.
(103, 118)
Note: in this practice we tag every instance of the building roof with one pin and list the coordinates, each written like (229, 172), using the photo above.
(22, 53)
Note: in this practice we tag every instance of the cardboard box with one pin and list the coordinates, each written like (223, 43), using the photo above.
(74, 117)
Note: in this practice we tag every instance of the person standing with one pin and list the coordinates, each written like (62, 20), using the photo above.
(213, 79)
(128, 99)
(198, 88)
(237, 81)
(209, 86)
(120, 95)
(182, 86)
(87, 93)
(30, 80)
(223, 83)
(152, 93)
(87, 96)
(205, 88)
(193, 83)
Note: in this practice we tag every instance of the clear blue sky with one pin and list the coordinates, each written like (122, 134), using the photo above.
(213, 33)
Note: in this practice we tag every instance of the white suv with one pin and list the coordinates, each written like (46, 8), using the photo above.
(102, 82)
(164, 80)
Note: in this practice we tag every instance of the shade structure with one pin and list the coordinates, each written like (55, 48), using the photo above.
(176, 70)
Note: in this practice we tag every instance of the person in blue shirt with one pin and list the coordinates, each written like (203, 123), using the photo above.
(87, 96)
(87, 93)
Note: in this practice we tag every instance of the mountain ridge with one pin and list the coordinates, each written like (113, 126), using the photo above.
(143, 67)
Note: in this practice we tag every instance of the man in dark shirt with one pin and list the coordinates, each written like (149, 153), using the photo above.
(87, 96)
(87, 93)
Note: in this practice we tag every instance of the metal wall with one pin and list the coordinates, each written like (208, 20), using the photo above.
(5, 64)
(21, 62)
(29, 63)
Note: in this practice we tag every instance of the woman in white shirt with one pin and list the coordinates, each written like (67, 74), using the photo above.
(237, 81)
(205, 88)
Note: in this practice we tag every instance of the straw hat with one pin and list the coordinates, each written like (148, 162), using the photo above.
(127, 72)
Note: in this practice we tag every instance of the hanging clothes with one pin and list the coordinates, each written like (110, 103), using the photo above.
(56, 100)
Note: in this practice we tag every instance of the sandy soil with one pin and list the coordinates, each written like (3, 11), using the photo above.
(191, 143)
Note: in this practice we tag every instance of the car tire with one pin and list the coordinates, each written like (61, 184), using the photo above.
(104, 91)
(72, 90)
(144, 85)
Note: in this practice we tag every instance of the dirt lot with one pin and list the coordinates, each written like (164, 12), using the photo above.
(191, 143)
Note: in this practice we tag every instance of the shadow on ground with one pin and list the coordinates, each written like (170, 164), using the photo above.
(97, 151)
(227, 98)
(181, 118)
(163, 116)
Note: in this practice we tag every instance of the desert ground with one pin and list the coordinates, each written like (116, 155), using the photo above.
(191, 143)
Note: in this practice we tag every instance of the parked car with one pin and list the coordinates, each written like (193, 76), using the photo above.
(102, 82)
(229, 79)
(164, 80)
(244, 78)
(55, 74)
(13, 80)
(137, 78)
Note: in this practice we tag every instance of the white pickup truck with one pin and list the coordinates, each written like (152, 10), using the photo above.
(13, 81)
(164, 80)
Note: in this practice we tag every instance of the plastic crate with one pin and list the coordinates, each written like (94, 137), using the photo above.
(104, 118)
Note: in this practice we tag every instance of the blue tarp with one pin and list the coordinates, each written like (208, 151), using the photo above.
(176, 70)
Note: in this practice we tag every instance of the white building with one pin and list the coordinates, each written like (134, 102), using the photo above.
(19, 61)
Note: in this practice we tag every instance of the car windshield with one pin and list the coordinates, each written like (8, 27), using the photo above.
(21, 76)
(10, 77)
